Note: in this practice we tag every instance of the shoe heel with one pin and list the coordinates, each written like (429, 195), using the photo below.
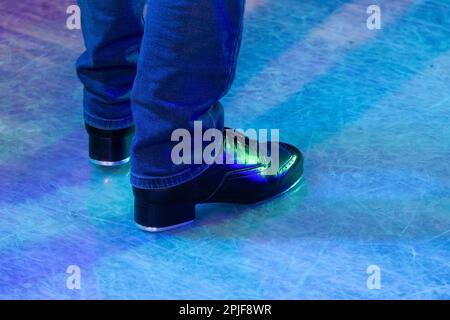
(157, 218)
(109, 151)
(109, 147)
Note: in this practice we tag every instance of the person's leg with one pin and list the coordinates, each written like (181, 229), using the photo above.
(187, 63)
(112, 31)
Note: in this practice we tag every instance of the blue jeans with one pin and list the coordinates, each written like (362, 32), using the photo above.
(160, 75)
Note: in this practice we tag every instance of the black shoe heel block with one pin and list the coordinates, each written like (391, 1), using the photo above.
(109, 147)
(105, 149)
(162, 217)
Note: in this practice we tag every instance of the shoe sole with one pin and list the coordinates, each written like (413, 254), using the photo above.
(155, 230)
(294, 185)
(109, 163)
(183, 224)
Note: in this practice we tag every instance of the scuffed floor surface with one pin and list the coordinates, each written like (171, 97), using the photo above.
(370, 108)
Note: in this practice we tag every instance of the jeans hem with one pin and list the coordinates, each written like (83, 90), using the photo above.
(108, 124)
(169, 181)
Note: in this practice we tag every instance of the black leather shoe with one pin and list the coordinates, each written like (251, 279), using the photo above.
(164, 209)
(109, 147)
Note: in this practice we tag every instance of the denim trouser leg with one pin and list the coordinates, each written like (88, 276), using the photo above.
(187, 63)
(112, 32)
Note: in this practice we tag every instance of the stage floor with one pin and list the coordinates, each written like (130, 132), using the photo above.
(370, 109)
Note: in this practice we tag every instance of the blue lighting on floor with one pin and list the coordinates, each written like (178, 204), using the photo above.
(370, 109)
